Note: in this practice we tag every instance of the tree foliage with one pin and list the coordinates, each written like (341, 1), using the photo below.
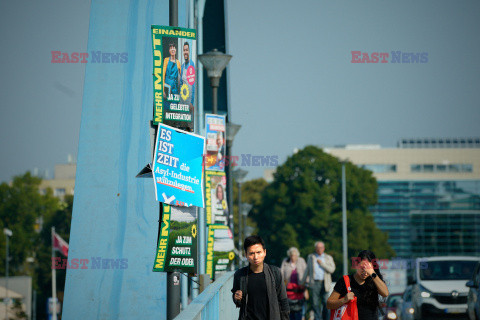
(30, 215)
(304, 205)
(251, 194)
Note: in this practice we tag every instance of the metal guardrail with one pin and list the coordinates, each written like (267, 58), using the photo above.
(214, 303)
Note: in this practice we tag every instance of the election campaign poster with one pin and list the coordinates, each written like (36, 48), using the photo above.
(216, 142)
(216, 197)
(178, 167)
(177, 240)
(220, 250)
(174, 76)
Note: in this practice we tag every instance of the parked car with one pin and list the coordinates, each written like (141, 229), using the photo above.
(439, 286)
(405, 309)
(391, 305)
(473, 298)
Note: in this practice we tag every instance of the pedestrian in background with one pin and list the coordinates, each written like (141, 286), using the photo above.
(293, 269)
(318, 278)
(366, 284)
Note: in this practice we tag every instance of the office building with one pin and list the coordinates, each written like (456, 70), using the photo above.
(428, 193)
(63, 182)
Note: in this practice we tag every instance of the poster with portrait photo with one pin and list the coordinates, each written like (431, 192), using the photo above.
(216, 193)
(174, 56)
(216, 142)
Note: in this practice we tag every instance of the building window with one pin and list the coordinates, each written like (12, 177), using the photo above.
(428, 168)
(454, 167)
(441, 168)
(380, 168)
(59, 192)
(416, 168)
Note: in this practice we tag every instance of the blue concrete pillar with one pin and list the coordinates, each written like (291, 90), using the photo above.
(115, 215)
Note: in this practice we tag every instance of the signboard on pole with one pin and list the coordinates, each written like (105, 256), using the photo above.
(178, 167)
(53, 306)
(177, 240)
(216, 139)
(220, 250)
(174, 76)
(216, 195)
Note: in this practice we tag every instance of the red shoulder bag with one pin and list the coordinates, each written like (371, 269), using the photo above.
(349, 310)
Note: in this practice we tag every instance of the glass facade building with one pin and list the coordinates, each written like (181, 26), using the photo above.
(428, 193)
(430, 218)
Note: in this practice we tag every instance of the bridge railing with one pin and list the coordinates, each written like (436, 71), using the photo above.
(214, 303)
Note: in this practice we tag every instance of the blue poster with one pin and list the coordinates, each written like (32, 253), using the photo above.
(178, 167)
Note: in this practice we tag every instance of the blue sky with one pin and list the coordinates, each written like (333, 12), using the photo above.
(292, 80)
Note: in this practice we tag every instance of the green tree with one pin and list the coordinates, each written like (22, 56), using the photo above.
(252, 194)
(304, 204)
(21, 205)
(61, 220)
(22, 209)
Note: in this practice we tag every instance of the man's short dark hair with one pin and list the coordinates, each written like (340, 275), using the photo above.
(171, 45)
(186, 44)
(253, 240)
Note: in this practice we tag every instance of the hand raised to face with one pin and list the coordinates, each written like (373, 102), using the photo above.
(367, 266)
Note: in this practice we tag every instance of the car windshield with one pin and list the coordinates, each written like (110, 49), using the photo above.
(392, 299)
(447, 270)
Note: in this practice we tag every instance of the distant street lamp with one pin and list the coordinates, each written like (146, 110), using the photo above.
(344, 220)
(245, 209)
(248, 231)
(8, 233)
(232, 130)
(239, 175)
(214, 61)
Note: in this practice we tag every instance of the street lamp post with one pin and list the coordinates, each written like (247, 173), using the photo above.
(8, 233)
(245, 209)
(232, 130)
(344, 220)
(214, 61)
(173, 287)
(239, 175)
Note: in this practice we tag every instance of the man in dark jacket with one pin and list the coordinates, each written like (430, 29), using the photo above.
(258, 289)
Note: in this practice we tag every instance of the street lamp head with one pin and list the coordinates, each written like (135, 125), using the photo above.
(214, 61)
(245, 208)
(7, 232)
(248, 231)
(232, 130)
(239, 174)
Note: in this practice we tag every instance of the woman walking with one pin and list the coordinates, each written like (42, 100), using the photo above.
(366, 284)
(293, 268)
